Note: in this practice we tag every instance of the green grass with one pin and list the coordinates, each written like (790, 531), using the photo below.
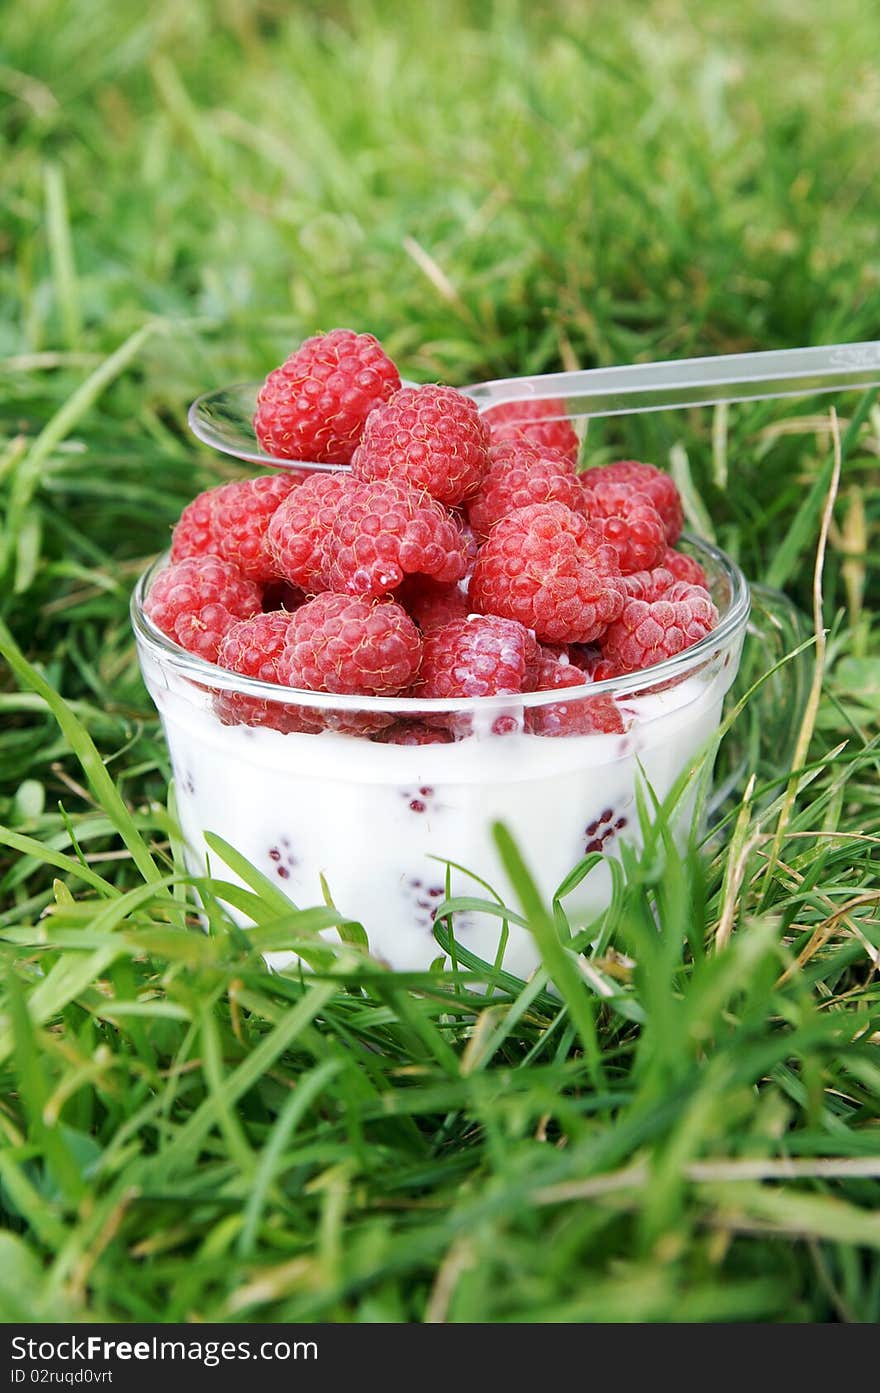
(188, 191)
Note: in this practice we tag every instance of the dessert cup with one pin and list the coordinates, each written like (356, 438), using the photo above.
(391, 827)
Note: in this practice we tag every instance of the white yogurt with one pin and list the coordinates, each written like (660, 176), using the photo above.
(373, 819)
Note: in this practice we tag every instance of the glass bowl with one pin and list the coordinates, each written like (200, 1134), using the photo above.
(384, 822)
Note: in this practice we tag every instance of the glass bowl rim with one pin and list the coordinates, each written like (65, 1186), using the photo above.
(167, 653)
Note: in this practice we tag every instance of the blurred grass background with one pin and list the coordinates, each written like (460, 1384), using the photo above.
(188, 190)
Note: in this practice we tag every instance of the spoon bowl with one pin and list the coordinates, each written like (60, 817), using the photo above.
(224, 420)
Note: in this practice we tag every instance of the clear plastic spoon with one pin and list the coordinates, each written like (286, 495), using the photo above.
(691, 381)
(223, 419)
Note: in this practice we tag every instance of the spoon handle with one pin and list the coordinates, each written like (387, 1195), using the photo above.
(692, 381)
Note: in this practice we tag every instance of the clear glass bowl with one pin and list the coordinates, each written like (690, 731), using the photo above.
(382, 821)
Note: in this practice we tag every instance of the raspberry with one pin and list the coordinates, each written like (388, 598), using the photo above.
(431, 604)
(430, 437)
(684, 567)
(405, 732)
(351, 644)
(197, 600)
(193, 533)
(629, 522)
(300, 527)
(552, 672)
(585, 656)
(580, 716)
(597, 668)
(475, 657)
(649, 631)
(385, 530)
(648, 585)
(529, 420)
(253, 647)
(646, 479)
(546, 566)
(242, 513)
(520, 474)
(231, 521)
(314, 406)
(561, 653)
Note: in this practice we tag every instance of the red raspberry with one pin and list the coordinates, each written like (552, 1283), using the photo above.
(590, 660)
(546, 566)
(587, 715)
(475, 657)
(586, 656)
(648, 585)
(242, 512)
(254, 647)
(386, 530)
(314, 406)
(300, 527)
(529, 420)
(659, 487)
(351, 644)
(649, 631)
(629, 522)
(430, 437)
(684, 567)
(561, 653)
(520, 474)
(552, 672)
(193, 533)
(197, 600)
(405, 732)
(431, 604)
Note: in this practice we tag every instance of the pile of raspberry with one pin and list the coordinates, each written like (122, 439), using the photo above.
(441, 554)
